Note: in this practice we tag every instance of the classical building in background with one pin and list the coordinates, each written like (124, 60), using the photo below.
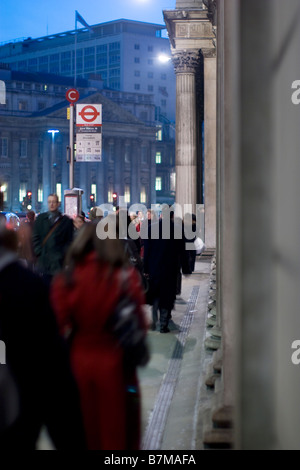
(34, 136)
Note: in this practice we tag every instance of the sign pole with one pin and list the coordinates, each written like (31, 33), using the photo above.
(71, 169)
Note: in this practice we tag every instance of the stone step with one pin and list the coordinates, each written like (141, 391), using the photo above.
(211, 376)
(213, 343)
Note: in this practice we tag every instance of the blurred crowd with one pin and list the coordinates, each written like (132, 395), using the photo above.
(71, 310)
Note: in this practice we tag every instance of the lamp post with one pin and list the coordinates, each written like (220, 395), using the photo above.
(53, 132)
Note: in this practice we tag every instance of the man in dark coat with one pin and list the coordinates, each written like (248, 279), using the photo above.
(164, 254)
(52, 235)
(38, 359)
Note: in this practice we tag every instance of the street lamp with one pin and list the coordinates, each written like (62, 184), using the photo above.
(53, 132)
(164, 58)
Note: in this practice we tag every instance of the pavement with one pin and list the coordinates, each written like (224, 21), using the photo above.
(174, 394)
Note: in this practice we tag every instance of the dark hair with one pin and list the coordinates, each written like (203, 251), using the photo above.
(109, 251)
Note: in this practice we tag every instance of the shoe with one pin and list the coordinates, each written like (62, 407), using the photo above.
(165, 330)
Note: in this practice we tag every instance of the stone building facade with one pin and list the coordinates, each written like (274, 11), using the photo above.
(34, 159)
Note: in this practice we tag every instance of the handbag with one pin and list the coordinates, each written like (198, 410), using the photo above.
(125, 325)
(199, 246)
(9, 392)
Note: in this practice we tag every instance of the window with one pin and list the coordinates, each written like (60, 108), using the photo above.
(137, 86)
(150, 48)
(32, 65)
(58, 190)
(23, 148)
(143, 195)
(40, 193)
(3, 190)
(150, 87)
(163, 76)
(94, 191)
(158, 183)
(3, 147)
(136, 60)
(137, 46)
(110, 194)
(137, 73)
(127, 193)
(114, 46)
(159, 134)
(22, 191)
(150, 61)
(114, 59)
(150, 74)
(163, 103)
(158, 158)
(102, 48)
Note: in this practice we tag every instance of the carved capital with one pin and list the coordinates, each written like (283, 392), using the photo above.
(185, 62)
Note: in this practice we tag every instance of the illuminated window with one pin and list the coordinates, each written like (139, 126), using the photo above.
(127, 193)
(143, 195)
(159, 134)
(22, 191)
(158, 157)
(158, 183)
(58, 191)
(3, 190)
(40, 193)
(94, 190)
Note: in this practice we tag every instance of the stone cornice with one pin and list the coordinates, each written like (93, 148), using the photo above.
(211, 6)
(186, 61)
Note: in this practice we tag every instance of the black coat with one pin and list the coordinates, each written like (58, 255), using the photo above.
(51, 255)
(163, 259)
(39, 360)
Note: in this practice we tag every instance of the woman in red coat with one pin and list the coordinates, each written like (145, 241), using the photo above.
(84, 298)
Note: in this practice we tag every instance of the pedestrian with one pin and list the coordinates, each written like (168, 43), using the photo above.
(85, 297)
(25, 242)
(163, 255)
(47, 394)
(52, 235)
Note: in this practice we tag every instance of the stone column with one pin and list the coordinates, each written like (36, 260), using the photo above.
(34, 168)
(210, 145)
(135, 177)
(254, 255)
(152, 191)
(15, 181)
(119, 167)
(186, 64)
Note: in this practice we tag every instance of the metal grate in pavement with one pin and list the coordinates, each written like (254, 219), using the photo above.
(154, 432)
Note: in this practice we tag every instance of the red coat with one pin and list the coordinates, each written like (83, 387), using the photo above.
(95, 356)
